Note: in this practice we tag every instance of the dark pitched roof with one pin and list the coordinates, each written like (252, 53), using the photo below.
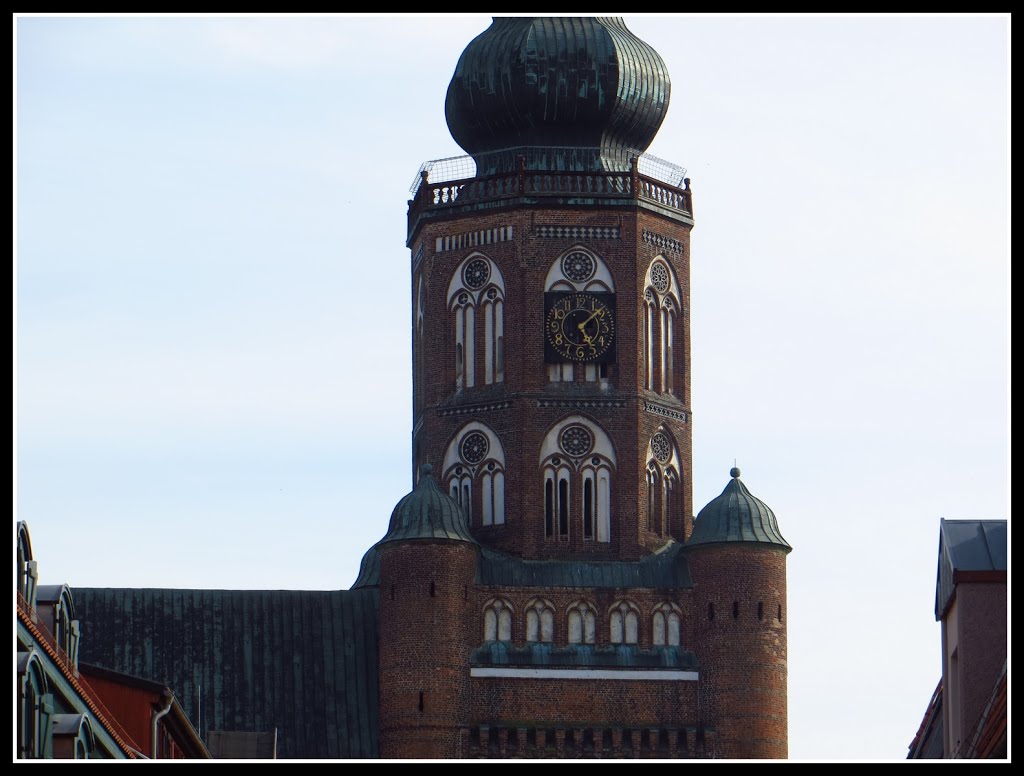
(666, 568)
(736, 516)
(303, 662)
(967, 546)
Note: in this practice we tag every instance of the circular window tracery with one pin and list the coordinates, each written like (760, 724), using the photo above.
(661, 447)
(659, 278)
(476, 273)
(474, 447)
(578, 267)
(576, 441)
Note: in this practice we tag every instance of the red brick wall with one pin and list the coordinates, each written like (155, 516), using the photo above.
(424, 646)
(524, 262)
(742, 657)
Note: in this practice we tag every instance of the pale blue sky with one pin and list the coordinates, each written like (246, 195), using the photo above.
(213, 324)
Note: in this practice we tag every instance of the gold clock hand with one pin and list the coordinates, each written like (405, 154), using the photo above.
(588, 320)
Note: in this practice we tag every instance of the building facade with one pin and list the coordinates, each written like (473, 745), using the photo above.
(544, 590)
(69, 710)
(966, 716)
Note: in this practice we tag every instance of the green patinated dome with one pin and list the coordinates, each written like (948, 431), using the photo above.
(736, 516)
(427, 513)
(565, 93)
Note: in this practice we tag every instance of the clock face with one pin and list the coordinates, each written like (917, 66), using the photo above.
(579, 326)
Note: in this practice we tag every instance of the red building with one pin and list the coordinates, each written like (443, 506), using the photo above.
(149, 712)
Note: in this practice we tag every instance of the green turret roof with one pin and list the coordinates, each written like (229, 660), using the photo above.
(736, 516)
(427, 513)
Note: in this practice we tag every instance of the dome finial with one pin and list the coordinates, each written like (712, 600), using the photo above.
(426, 470)
(734, 472)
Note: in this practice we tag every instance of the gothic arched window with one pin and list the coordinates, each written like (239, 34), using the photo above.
(579, 269)
(577, 460)
(581, 619)
(664, 495)
(498, 620)
(418, 349)
(474, 474)
(662, 314)
(476, 299)
(540, 620)
(666, 625)
(623, 622)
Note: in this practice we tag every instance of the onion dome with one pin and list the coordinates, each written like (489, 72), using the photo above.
(427, 513)
(566, 93)
(736, 516)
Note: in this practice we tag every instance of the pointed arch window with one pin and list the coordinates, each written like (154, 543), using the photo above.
(623, 622)
(664, 495)
(474, 474)
(666, 625)
(662, 305)
(577, 461)
(581, 620)
(498, 620)
(540, 620)
(579, 269)
(476, 300)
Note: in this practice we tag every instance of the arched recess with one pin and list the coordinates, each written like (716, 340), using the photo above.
(662, 327)
(474, 473)
(540, 620)
(579, 269)
(623, 622)
(498, 613)
(664, 484)
(476, 301)
(581, 622)
(666, 625)
(418, 342)
(577, 462)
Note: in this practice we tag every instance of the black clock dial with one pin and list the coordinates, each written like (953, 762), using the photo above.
(579, 327)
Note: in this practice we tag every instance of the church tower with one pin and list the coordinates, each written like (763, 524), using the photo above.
(551, 296)
(544, 591)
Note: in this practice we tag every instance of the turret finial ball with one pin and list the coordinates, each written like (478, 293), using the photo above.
(734, 472)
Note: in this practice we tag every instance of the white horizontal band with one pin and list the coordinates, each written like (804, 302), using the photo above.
(624, 674)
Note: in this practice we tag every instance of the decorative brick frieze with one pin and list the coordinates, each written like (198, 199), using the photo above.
(455, 242)
(663, 243)
(577, 232)
(665, 412)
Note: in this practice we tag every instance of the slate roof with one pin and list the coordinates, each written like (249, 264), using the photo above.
(303, 662)
(967, 546)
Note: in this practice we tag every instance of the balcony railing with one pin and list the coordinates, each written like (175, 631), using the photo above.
(603, 185)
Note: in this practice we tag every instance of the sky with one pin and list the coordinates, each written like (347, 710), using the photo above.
(212, 306)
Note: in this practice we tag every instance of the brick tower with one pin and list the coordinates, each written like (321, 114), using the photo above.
(547, 602)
